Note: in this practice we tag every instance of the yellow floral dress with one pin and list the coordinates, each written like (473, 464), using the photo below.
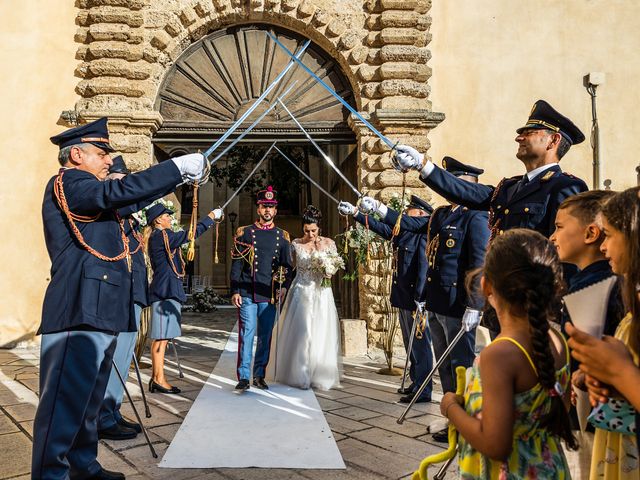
(535, 454)
(615, 456)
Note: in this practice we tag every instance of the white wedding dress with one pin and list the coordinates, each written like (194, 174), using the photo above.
(306, 342)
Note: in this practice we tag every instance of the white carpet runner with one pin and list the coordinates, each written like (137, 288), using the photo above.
(282, 427)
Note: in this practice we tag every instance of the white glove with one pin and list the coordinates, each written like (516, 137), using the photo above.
(368, 205)
(191, 166)
(407, 158)
(470, 319)
(218, 214)
(345, 208)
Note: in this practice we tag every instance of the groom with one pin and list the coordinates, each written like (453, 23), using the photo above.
(258, 252)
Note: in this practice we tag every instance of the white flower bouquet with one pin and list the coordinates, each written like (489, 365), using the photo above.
(326, 264)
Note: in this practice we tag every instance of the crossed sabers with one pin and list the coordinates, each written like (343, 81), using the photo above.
(295, 60)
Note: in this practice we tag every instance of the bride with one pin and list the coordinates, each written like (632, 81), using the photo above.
(306, 343)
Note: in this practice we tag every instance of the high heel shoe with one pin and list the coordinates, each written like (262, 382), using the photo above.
(155, 387)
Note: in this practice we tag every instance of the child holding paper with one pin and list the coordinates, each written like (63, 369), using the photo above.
(578, 237)
(614, 361)
(514, 411)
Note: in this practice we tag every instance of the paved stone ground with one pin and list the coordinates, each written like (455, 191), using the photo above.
(362, 415)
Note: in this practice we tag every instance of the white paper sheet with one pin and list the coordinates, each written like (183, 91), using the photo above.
(587, 309)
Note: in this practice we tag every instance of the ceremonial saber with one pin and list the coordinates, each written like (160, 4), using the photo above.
(324, 155)
(252, 126)
(389, 143)
(264, 94)
(304, 174)
(280, 279)
(406, 363)
(135, 410)
(175, 350)
(440, 474)
(426, 381)
(147, 411)
(244, 182)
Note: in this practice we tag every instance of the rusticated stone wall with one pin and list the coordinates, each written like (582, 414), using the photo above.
(127, 47)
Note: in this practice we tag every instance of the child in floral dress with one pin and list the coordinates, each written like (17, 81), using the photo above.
(514, 411)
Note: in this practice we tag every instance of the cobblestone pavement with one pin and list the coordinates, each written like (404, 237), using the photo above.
(362, 415)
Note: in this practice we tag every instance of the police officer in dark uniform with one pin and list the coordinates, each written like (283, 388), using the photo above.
(457, 241)
(89, 298)
(409, 279)
(259, 250)
(524, 201)
(111, 424)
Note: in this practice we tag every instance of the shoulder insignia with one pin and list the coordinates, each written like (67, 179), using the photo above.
(569, 175)
(240, 231)
(286, 235)
(547, 176)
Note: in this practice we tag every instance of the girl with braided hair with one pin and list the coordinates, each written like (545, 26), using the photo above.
(611, 364)
(514, 412)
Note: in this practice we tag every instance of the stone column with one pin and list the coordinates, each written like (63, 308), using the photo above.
(117, 78)
(395, 93)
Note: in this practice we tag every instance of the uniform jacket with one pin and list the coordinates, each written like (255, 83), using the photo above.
(410, 273)
(534, 206)
(165, 284)
(86, 292)
(257, 253)
(457, 242)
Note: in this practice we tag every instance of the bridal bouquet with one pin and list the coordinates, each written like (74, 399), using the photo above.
(327, 264)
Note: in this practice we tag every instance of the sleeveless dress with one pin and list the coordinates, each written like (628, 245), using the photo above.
(535, 452)
(306, 343)
(615, 456)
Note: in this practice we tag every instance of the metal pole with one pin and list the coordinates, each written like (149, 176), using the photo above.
(406, 363)
(595, 137)
(147, 411)
(451, 346)
(175, 349)
(135, 410)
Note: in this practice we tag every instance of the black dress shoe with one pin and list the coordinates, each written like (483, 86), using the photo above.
(154, 387)
(131, 425)
(117, 432)
(107, 475)
(259, 382)
(442, 436)
(406, 390)
(242, 385)
(409, 397)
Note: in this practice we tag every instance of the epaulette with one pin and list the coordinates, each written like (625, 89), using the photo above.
(240, 231)
(286, 235)
(548, 176)
(570, 176)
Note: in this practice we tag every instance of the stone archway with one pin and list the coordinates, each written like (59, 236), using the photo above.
(127, 46)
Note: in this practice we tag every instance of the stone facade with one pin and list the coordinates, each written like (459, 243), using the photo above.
(127, 47)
